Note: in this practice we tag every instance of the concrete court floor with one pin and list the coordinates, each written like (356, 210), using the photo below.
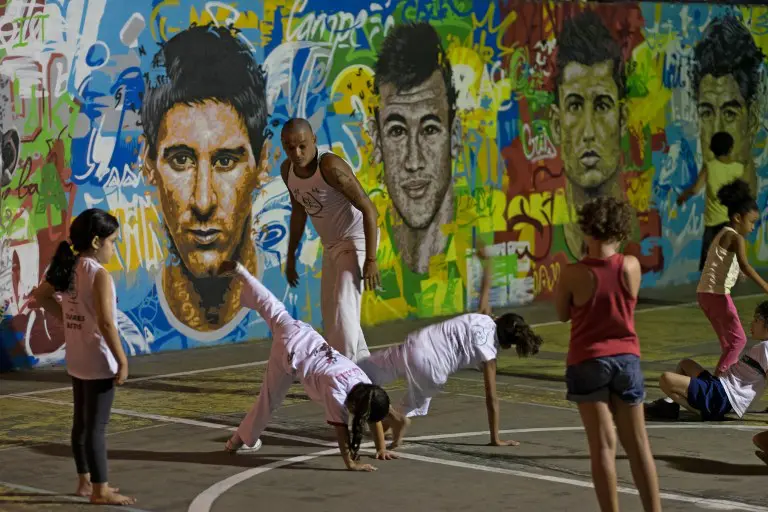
(172, 418)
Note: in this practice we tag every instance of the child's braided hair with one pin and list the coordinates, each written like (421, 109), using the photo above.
(370, 403)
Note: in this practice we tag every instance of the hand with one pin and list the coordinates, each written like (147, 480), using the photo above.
(226, 267)
(499, 442)
(356, 466)
(122, 373)
(371, 275)
(386, 455)
(682, 198)
(481, 252)
(290, 271)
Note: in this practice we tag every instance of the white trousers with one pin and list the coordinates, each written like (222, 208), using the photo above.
(277, 381)
(341, 291)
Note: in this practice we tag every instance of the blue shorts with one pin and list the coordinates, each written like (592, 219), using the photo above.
(707, 395)
(595, 380)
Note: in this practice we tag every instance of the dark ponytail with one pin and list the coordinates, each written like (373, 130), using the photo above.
(513, 330)
(370, 404)
(737, 197)
(88, 225)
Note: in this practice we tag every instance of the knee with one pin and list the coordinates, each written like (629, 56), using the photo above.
(761, 441)
(665, 382)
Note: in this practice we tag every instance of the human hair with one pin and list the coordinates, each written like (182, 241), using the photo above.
(207, 63)
(737, 197)
(606, 219)
(585, 40)
(721, 144)
(512, 329)
(370, 403)
(761, 312)
(88, 225)
(727, 48)
(409, 55)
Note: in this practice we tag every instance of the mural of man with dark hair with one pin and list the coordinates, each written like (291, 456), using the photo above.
(416, 134)
(589, 116)
(204, 128)
(727, 78)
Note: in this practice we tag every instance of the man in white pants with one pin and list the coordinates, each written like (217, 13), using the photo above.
(323, 186)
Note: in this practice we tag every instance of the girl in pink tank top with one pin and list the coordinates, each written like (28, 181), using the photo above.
(598, 295)
(95, 358)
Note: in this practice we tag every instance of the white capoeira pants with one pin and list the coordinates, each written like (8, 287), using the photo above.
(407, 362)
(278, 378)
(341, 291)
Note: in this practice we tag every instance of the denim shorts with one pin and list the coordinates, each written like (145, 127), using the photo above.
(707, 395)
(595, 380)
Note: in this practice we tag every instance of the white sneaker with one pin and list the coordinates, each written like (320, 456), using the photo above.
(236, 445)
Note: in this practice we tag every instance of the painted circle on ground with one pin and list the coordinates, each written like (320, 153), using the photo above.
(203, 502)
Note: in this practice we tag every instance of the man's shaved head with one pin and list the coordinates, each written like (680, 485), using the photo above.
(296, 125)
(299, 142)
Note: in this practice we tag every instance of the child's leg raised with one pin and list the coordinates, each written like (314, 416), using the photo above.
(598, 424)
(630, 424)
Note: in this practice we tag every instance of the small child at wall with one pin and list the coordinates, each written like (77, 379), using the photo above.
(94, 355)
(598, 295)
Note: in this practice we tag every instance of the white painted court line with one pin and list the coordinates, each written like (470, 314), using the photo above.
(208, 496)
(260, 363)
(75, 499)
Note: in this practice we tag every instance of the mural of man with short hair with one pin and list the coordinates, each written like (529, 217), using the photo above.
(589, 116)
(204, 128)
(726, 79)
(416, 134)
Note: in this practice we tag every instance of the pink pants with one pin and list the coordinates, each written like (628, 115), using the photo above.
(724, 317)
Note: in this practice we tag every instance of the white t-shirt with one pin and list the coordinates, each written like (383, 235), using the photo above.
(461, 342)
(87, 354)
(298, 350)
(745, 381)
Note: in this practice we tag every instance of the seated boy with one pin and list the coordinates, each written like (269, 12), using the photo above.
(700, 392)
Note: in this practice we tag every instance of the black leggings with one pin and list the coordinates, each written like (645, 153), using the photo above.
(93, 403)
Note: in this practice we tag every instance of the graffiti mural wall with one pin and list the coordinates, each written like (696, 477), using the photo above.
(464, 122)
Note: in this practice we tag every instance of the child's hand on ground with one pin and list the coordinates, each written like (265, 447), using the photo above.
(386, 455)
(499, 442)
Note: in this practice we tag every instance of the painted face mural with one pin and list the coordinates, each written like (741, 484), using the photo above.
(464, 122)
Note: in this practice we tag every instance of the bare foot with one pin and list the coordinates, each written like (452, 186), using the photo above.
(398, 432)
(85, 489)
(112, 498)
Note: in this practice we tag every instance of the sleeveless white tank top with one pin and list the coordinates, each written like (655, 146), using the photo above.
(721, 269)
(333, 216)
(86, 352)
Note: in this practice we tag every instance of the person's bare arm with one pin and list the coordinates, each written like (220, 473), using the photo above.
(43, 295)
(485, 286)
(739, 246)
(381, 444)
(564, 295)
(492, 404)
(103, 296)
(296, 229)
(633, 274)
(701, 180)
(340, 176)
(342, 436)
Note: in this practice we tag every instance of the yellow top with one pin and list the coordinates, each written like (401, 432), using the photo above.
(718, 174)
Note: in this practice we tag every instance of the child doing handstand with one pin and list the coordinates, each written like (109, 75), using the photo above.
(693, 387)
(598, 295)
(429, 356)
(328, 377)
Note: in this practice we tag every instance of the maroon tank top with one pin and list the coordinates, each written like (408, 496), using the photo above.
(605, 325)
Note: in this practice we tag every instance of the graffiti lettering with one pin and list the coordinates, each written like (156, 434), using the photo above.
(536, 142)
